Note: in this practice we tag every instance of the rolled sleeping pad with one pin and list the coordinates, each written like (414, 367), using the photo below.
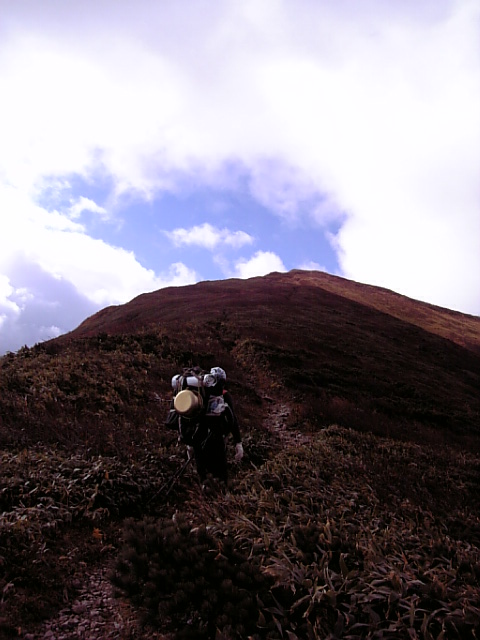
(187, 403)
(193, 381)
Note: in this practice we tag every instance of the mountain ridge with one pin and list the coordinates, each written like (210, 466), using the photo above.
(323, 339)
(464, 329)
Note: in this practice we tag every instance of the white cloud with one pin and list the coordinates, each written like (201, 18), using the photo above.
(105, 274)
(311, 266)
(6, 304)
(37, 304)
(207, 236)
(367, 113)
(260, 264)
(53, 274)
(86, 204)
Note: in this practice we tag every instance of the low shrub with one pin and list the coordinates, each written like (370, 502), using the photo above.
(185, 577)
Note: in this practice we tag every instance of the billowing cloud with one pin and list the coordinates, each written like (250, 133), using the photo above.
(53, 274)
(104, 273)
(35, 303)
(365, 114)
(260, 264)
(209, 237)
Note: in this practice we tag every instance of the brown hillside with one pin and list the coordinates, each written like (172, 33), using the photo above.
(152, 308)
(336, 342)
(458, 327)
(355, 512)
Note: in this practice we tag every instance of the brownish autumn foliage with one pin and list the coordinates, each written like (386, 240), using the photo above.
(360, 516)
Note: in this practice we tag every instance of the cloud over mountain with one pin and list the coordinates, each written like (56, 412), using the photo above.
(357, 122)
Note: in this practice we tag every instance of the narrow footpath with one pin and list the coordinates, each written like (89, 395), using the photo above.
(95, 614)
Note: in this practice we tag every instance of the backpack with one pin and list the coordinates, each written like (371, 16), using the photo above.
(198, 407)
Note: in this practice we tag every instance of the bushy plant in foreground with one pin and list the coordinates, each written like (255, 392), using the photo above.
(44, 491)
(197, 584)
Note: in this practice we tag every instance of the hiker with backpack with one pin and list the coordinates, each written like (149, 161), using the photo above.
(205, 414)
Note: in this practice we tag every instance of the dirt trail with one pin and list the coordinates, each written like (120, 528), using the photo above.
(276, 421)
(95, 614)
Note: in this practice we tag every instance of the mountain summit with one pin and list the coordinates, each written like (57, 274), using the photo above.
(206, 300)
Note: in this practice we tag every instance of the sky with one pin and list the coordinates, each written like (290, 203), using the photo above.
(155, 143)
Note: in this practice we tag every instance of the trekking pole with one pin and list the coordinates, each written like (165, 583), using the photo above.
(170, 483)
(178, 475)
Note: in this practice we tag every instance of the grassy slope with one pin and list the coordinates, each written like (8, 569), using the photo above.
(457, 327)
(371, 527)
(313, 335)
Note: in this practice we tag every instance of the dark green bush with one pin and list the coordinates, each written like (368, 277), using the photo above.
(185, 577)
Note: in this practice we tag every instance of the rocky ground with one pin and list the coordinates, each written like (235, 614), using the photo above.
(95, 613)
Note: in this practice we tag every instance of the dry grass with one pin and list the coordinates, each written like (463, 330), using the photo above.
(368, 528)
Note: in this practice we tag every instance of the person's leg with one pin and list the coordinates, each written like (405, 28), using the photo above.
(201, 462)
(216, 457)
